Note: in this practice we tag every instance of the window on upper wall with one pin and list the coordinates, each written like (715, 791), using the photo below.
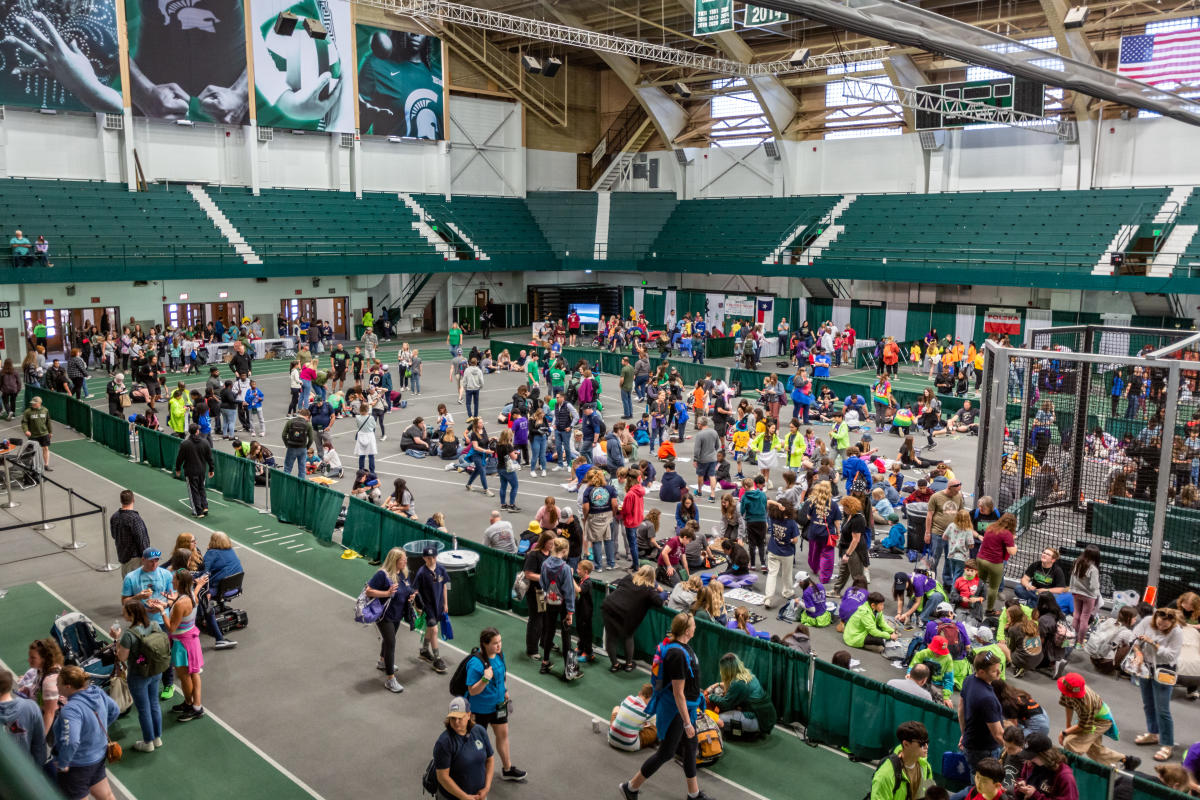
(856, 117)
(1189, 83)
(1053, 102)
(740, 119)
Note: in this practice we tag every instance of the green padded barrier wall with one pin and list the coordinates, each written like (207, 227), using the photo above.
(1145, 788)
(54, 402)
(364, 528)
(20, 778)
(234, 477)
(831, 709)
(694, 372)
(79, 416)
(719, 348)
(158, 449)
(304, 503)
(110, 431)
(1090, 778)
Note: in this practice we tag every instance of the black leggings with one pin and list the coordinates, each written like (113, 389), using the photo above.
(295, 402)
(377, 413)
(387, 650)
(10, 403)
(756, 541)
(555, 617)
(669, 746)
(614, 632)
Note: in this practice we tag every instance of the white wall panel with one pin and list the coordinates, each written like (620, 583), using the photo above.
(547, 170)
(59, 146)
(171, 152)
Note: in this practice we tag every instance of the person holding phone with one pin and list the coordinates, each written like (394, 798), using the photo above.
(390, 585)
(488, 698)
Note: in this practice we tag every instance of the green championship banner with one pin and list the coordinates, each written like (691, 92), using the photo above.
(400, 89)
(302, 76)
(713, 16)
(60, 54)
(187, 60)
(757, 17)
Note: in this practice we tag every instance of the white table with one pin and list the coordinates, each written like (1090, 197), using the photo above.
(215, 349)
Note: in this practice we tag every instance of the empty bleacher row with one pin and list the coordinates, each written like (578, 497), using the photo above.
(1066, 230)
(92, 223)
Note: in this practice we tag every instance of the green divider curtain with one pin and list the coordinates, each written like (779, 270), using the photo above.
(234, 477)
(719, 348)
(110, 431)
(304, 503)
(696, 372)
(832, 704)
(79, 416)
(1091, 779)
(364, 528)
(918, 323)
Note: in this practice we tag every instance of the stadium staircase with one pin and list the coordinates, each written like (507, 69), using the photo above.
(1179, 247)
(826, 231)
(628, 133)
(223, 224)
(603, 220)
(422, 227)
(490, 226)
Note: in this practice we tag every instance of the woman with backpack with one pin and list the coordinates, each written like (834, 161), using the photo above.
(80, 735)
(391, 585)
(676, 701)
(463, 759)
(931, 411)
(145, 650)
(487, 696)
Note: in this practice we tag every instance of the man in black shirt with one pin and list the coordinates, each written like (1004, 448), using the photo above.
(1043, 575)
(195, 460)
(340, 357)
(414, 437)
(240, 361)
(128, 530)
(965, 421)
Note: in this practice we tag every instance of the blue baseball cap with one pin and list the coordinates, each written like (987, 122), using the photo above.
(150, 554)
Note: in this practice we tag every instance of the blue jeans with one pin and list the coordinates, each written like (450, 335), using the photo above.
(1156, 703)
(305, 391)
(954, 568)
(938, 550)
(975, 756)
(145, 699)
(228, 421)
(604, 550)
(319, 391)
(1026, 596)
(656, 437)
(537, 452)
(627, 403)
(562, 448)
(639, 386)
(295, 455)
(631, 541)
(479, 460)
(364, 462)
(414, 383)
(507, 480)
(472, 401)
(931, 603)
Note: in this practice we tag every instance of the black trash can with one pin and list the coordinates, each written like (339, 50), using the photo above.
(460, 566)
(414, 549)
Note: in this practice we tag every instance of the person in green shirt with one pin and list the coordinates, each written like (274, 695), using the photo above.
(866, 627)
(840, 435)
(454, 340)
(37, 426)
(532, 371)
(744, 709)
(557, 377)
(626, 388)
(905, 773)
(941, 665)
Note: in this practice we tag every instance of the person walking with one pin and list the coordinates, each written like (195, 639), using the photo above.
(463, 758)
(472, 384)
(676, 701)
(365, 446)
(38, 426)
(782, 532)
(10, 386)
(478, 454)
(1158, 641)
(626, 386)
(297, 436)
(1085, 590)
(144, 649)
(852, 544)
(80, 736)
(705, 446)
(432, 587)
(128, 531)
(997, 547)
(195, 461)
(488, 699)
(390, 584)
(558, 591)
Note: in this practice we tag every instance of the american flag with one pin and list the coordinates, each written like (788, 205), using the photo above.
(1162, 57)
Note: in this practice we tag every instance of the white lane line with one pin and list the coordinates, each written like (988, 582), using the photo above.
(208, 713)
(305, 550)
(294, 546)
(448, 645)
(253, 527)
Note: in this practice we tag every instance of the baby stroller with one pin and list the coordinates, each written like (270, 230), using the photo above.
(79, 639)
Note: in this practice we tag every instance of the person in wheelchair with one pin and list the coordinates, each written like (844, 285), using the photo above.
(220, 562)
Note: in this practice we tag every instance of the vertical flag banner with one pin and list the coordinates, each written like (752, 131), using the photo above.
(400, 90)
(712, 16)
(766, 313)
(302, 66)
(60, 54)
(187, 60)
(1161, 58)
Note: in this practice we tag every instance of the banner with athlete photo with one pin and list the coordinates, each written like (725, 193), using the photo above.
(187, 60)
(400, 89)
(302, 78)
(60, 54)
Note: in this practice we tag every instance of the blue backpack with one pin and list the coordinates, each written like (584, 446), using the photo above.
(896, 538)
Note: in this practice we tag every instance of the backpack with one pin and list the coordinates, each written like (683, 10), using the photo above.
(641, 437)
(429, 781)
(458, 681)
(295, 433)
(709, 743)
(153, 653)
(553, 592)
(897, 772)
(1062, 632)
(1032, 644)
(949, 631)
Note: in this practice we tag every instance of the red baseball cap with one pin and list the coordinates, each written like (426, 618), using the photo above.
(1072, 685)
(939, 645)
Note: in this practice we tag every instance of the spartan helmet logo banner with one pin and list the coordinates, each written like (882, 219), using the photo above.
(189, 16)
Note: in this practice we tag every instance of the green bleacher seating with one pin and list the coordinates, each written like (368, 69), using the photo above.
(735, 228)
(285, 223)
(1063, 229)
(499, 226)
(635, 220)
(567, 220)
(92, 223)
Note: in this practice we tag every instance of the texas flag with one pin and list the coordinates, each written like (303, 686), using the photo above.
(765, 307)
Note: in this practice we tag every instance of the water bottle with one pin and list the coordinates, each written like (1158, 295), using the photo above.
(454, 541)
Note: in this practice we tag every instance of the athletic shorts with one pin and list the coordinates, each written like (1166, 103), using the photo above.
(76, 782)
(44, 441)
(706, 470)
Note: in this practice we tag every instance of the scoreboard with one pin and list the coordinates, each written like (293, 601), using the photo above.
(1018, 94)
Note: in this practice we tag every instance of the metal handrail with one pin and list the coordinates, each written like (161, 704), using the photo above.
(619, 133)
(413, 288)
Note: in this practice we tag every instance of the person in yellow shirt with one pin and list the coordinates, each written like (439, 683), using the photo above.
(914, 356)
(741, 443)
(933, 355)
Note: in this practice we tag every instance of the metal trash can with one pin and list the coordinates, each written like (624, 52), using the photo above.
(460, 566)
(414, 549)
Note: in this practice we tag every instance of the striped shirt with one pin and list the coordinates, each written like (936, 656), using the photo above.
(624, 731)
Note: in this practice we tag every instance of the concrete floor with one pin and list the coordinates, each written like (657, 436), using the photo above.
(271, 685)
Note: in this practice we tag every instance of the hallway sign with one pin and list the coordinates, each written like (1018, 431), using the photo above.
(713, 16)
(758, 17)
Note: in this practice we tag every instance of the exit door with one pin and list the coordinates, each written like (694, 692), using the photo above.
(296, 310)
(54, 332)
(181, 316)
(333, 310)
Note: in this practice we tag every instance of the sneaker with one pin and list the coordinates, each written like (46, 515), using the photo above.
(629, 667)
(504, 506)
(191, 714)
(555, 468)
(439, 666)
(167, 693)
(545, 668)
(425, 655)
(1131, 763)
(626, 792)
(489, 492)
(383, 438)
(157, 742)
(515, 509)
(379, 665)
(179, 708)
(144, 747)
(513, 774)
(48, 468)
(225, 644)
(449, 467)
(1060, 667)
(699, 796)
(393, 685)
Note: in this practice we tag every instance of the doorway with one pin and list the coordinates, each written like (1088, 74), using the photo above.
(64, 325)
(333, 310)
(181, 316)
(225, 312)
(296, 310)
